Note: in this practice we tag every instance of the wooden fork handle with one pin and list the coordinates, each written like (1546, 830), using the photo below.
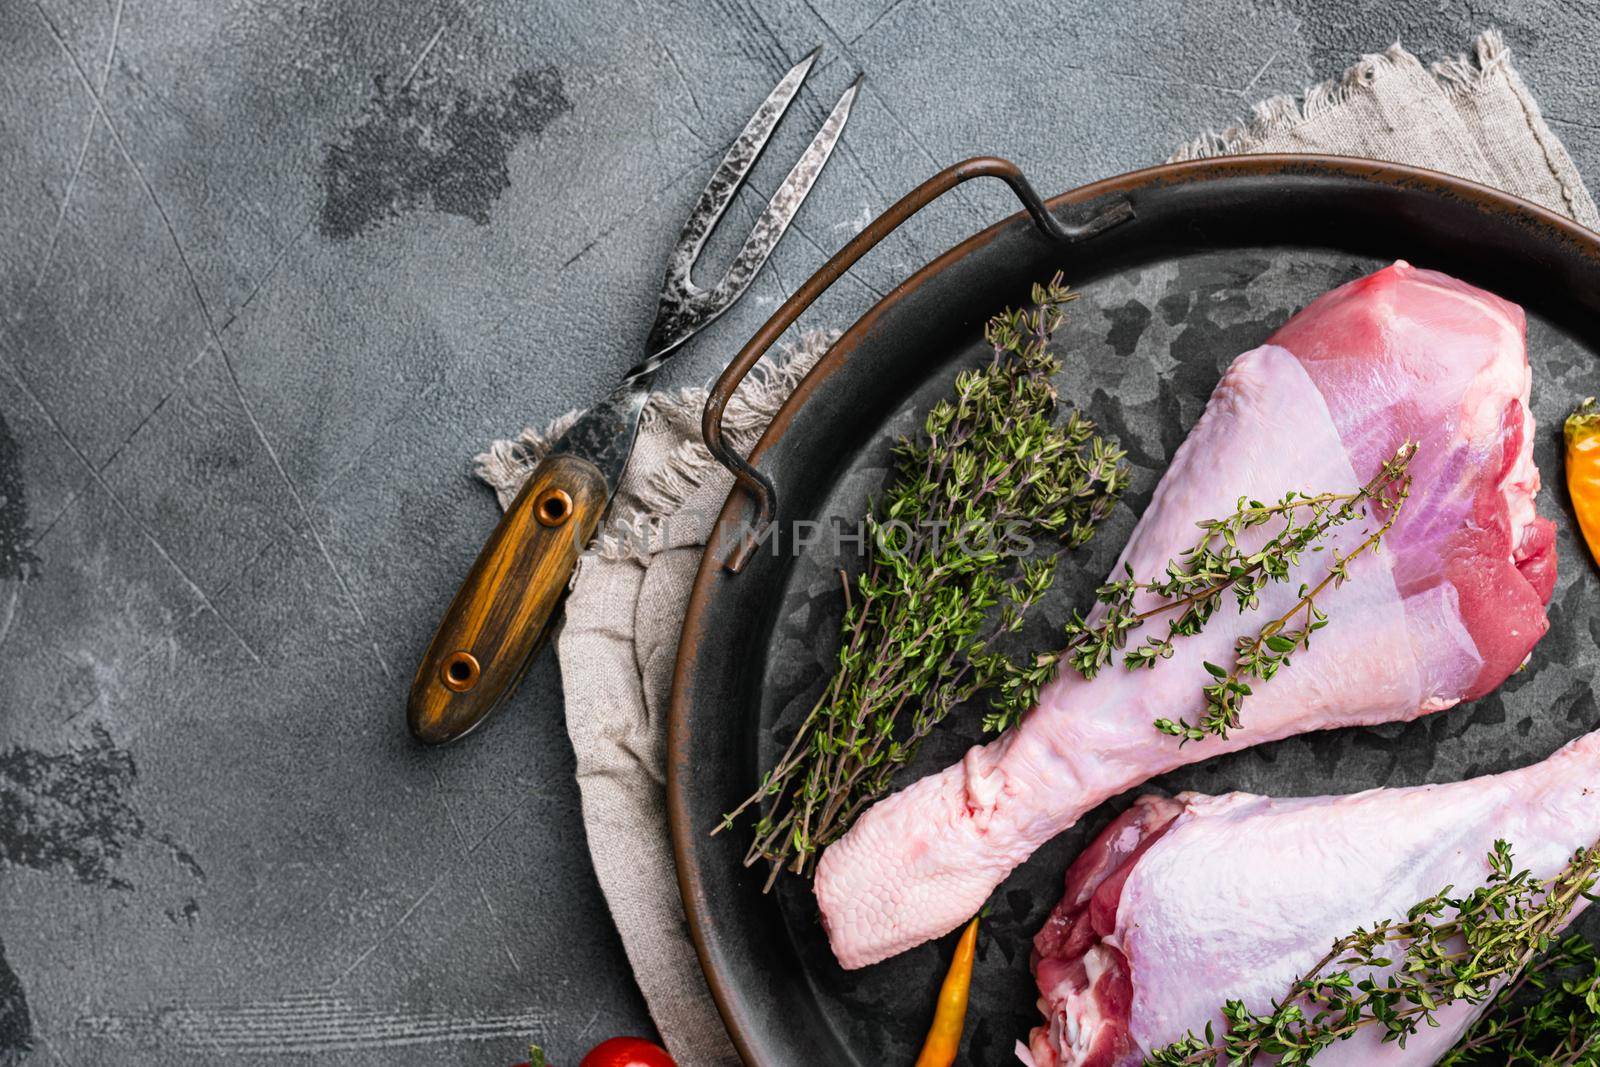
(503, 610)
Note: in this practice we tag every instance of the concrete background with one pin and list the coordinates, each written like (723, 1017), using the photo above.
(270, 274)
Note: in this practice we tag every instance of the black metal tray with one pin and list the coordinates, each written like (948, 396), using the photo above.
(1217, 255)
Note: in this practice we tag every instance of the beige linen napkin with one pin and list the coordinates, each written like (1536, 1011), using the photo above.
(1470, 116)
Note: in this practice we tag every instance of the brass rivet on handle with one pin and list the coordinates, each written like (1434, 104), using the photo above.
(553, 507)
(459, 671)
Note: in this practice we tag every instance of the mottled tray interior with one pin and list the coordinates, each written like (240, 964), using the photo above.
(1142, 350)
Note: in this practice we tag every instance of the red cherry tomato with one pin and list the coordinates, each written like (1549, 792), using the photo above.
(627, 1052)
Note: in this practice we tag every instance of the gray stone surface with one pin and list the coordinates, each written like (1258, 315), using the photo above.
(269, 274)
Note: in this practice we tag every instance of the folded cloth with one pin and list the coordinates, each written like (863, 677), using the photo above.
(1470, 116)
(617, 646)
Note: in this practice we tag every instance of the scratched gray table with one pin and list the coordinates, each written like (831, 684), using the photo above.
(269, 273)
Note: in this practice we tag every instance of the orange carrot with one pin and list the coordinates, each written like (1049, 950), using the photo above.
(950, 1015)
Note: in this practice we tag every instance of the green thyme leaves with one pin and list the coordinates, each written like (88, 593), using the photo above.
(1395, 976)
(1549, 1016)
(1218, 568)
(952, 565)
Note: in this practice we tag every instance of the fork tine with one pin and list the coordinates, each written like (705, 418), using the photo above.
(732, 171)
(780, 210)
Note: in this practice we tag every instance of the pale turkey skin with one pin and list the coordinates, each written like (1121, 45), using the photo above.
(1206, 899)
(1445, 612)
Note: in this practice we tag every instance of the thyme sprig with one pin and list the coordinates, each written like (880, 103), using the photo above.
(1446, 949)
(1549, 1016)
(1262, 654)
(1198, 582)
(948, 571)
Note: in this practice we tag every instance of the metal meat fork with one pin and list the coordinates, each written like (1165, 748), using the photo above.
(502, 611)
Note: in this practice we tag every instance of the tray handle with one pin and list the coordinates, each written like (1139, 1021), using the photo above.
(758, 485)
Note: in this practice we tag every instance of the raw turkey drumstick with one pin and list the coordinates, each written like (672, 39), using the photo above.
(1450, 605)
(1182, 904)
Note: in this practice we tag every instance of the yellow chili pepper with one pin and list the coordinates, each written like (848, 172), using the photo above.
(950, 1015)
(1583, 470)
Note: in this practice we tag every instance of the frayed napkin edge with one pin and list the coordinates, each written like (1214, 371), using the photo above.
(1276, 115)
